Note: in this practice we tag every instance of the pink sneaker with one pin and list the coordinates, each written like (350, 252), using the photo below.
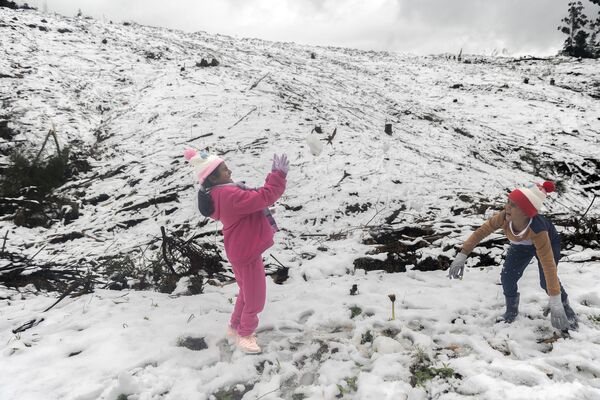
(231, 335)
(248, 344)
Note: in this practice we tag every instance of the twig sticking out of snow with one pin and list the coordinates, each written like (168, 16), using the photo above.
(241, 119)
(586, 211)
(346, 174)
(258, 81)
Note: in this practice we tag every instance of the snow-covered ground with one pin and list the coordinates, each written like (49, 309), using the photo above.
(133, 98)
(108, 343)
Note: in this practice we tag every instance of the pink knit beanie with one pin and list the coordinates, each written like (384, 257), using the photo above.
(203, 163)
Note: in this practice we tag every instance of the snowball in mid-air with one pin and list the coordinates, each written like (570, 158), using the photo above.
(314, 144)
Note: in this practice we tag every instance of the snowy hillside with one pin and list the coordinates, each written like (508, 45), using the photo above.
(129, 99)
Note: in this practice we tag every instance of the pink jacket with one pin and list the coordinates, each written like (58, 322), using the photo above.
(246, 230)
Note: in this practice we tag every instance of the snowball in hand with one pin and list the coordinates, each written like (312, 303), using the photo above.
(314, 144)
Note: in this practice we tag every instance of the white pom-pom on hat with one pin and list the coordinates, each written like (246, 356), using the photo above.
(203, 163)
(530, 199)
(189, 153)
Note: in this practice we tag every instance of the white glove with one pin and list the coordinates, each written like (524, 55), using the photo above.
(558, 317)
(457, 267)
(280, 163)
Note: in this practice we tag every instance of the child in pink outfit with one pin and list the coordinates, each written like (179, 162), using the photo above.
(248, 230)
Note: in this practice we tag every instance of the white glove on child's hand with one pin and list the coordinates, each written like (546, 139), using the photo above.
(457, 267)
(280, 164)
(558, 317)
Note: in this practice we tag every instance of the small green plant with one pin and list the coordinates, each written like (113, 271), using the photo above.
(444, 372)
(348, 388)
(351, 381)
(366, 337)
(233, 393)
(421, 357)
(594, 318)
(422, 370)
(421, 376)
(122, 397)
(355, 311)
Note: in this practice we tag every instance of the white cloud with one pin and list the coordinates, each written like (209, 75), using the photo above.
(416, 26)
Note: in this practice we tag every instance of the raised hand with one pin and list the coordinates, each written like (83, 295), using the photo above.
(280, 163)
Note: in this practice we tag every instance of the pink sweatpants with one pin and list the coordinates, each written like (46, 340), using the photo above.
(250, 277)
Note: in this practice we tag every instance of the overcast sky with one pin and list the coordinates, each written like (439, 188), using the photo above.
(414, 26)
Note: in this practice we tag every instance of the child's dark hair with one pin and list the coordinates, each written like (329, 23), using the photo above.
(205, 202)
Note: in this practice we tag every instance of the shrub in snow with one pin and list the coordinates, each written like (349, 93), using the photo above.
(422, 370)
(191, 343)
(153, 55)
(366, 337)
(204, 63)
(15, 6)
(178, 266)
(355, 311)
(594, 318)
(124, 273)
(8, 4)
(189, 285)
(25, 172)
(26, 187)
(6, 132)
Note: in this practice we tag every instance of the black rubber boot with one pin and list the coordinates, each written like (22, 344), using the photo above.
(512, 309)
(571, 316)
